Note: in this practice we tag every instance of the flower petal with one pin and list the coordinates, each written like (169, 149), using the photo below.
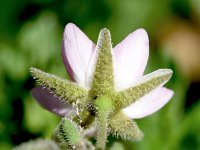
(50, 102)
(91, 132)
(149, 104)
(77, 50)
(143, 86)
(130, 58)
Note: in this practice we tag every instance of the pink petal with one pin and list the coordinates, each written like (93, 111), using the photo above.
(91, 68)
(149, 104)
(91, 132)
(77, 50)
(130, 58)
(50, 102)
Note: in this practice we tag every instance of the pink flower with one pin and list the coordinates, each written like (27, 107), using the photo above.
(130, 57)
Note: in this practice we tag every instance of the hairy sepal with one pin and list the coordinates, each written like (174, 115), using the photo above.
(143, 86)
(62, 88)
(122, 126)
(103, 79)
(69, 134)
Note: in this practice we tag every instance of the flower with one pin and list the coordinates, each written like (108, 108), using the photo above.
(102, 71)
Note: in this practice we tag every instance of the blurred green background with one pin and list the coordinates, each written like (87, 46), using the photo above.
(30, 35)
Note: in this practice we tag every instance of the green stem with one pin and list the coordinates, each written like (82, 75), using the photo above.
(103, 106)
(102, 130)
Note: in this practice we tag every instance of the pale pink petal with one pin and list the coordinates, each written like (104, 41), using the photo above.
(77, 50)
(167, 73)
(91, 132)
(130, 58)
(50, 102)
(91, 68)
(149, 104)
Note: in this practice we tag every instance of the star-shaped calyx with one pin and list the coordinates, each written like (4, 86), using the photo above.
(101, 103)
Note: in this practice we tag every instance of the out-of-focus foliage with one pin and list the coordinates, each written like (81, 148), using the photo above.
(31, 33)
(38, 144)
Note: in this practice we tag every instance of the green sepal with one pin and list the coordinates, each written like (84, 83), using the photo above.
(143, 86)
(69, 134)
(62, 88)
(103, 79)
(121, 125)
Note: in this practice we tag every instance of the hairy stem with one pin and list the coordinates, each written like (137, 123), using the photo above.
(102, 130)
(103, 107)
